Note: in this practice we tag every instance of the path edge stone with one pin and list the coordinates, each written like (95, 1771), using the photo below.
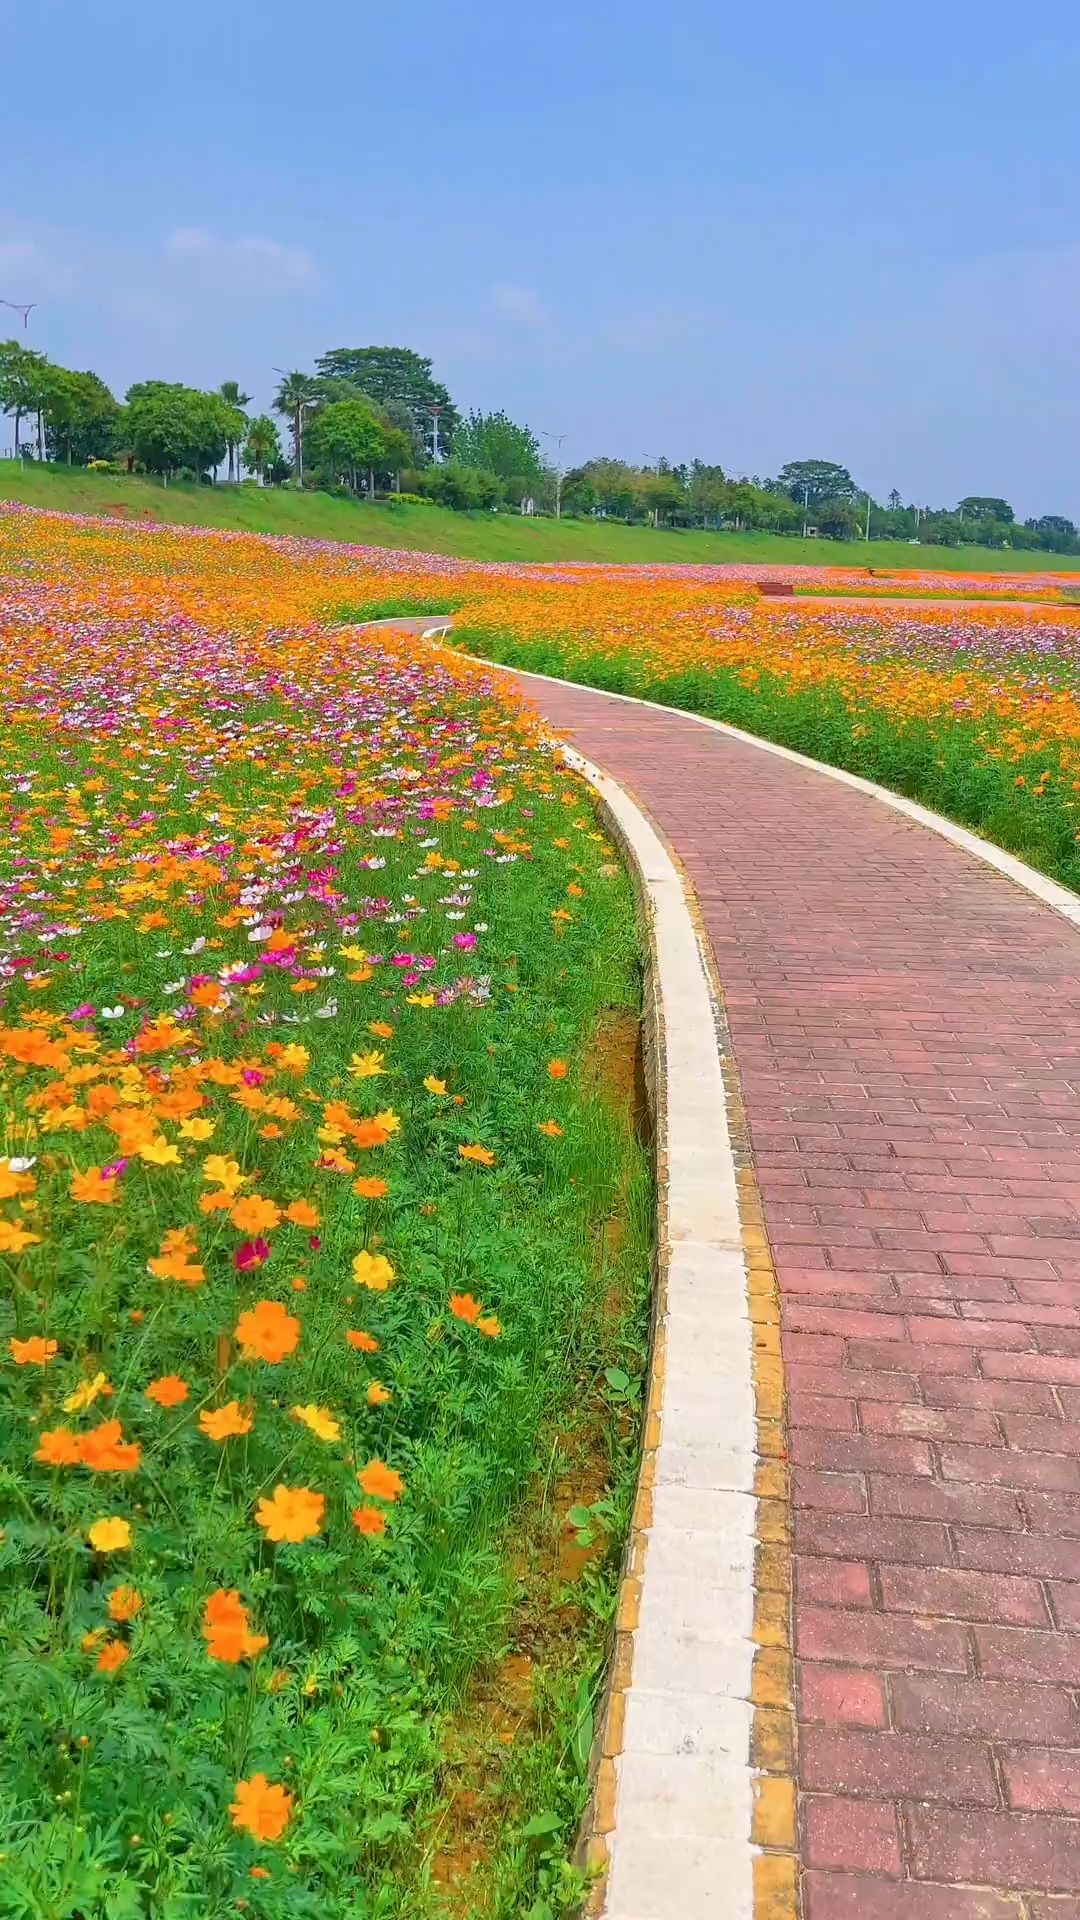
(693, 1805)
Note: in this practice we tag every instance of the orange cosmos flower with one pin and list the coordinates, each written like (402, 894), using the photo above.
(377, 1394)
(35, 1352)
(294, 1513)
(370, 1189)
(363, 1342)
(59, 1447)
(124, 1604)
(93, 1189)
(368, 1133)
(219, 1202)
(464, 1307)
(489, 1325)
(263, 1810)
(380, 1482)
(558, 1069)
(222, 1423)
(226, 1630)
(168, 1391)
(380, 1028)
(368, 1520)
(483, 1156)
(302, 1214)
(104, 1449)
(112, 1656)
(267, 1332)
(551, 1128)
(255, 1215)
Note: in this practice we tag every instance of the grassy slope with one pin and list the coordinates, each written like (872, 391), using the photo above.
(480, 536)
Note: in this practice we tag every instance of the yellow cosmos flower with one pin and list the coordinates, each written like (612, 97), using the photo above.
(433, 1085)
(197, 1128)
(373, 1270)
(160, 1152)
(85, 1395)
(367, 1066)
(110, 1536)
(224, 1173)
(319, 1421)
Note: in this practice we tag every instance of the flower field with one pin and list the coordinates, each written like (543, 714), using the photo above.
(324, 1232)
(973, 710)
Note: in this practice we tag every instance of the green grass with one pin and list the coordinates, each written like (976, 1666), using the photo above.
(372, 1700)
(482, 536)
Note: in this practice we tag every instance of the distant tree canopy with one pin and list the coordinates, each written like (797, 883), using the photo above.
(168, 428)
(812, 481)
(979, 506)
(400, 382)
(363, 422)
(492, 443)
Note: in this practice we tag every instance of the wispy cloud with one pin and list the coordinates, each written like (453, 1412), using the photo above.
(252, 261)
(523, 306)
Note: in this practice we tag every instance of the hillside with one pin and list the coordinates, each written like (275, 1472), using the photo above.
(476, 536)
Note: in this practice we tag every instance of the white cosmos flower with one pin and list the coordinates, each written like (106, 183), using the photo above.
(112, 1013)
(23, 1164)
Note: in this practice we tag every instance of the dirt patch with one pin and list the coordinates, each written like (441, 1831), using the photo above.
(615, 1064)
(501, 1708)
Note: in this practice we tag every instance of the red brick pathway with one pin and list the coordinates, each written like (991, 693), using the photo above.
(907, 1029)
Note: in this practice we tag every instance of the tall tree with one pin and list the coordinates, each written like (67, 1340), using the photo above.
(232, 396)
(811, 481)
(296, 392)
(81, 416)
(24, 386)
(396, 377)
(492, 443)
(167, 427)
(347, 438)
(985, 506)
(262, 445)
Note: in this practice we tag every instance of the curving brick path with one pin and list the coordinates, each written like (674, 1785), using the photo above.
(906, 1025)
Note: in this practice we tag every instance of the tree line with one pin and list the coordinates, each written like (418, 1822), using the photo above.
(374, 420)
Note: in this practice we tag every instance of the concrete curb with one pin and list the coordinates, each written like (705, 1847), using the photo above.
(673, 1805)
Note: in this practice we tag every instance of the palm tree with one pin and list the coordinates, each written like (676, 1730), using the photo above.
(295, 392)
(231, 394)
(262, 444)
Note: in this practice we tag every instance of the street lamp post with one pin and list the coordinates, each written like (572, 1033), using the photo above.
(435, 409)
(558, 438)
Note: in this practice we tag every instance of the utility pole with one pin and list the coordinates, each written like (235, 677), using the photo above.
(435, 409)
(558, 438)
(805, 508)
(868, 519)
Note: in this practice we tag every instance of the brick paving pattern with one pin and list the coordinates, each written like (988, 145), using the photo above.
(906, 1024)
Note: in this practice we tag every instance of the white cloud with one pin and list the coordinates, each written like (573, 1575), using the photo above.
(523, 305)
(251, 261)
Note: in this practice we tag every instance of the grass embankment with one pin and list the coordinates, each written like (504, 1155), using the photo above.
(325, 1228)
(986, 740)
(481, 536)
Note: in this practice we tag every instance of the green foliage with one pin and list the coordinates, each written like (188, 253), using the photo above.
(816, 481)
(262, 446)
(81, 417)
(167, 427)
(491, 443)
(400, 382)
(345, 439)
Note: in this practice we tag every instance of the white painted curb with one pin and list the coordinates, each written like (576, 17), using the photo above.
(1050, 892)
(681, 1846)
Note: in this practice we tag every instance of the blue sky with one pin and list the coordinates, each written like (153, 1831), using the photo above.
(745, 233)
